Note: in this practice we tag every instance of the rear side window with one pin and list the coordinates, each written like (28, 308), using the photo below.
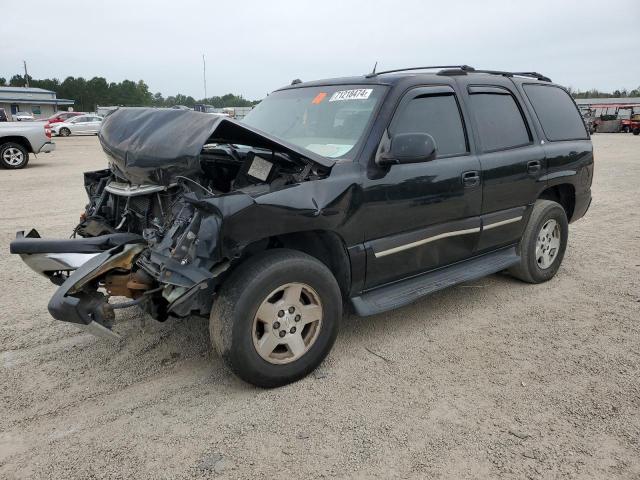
(500, 121)
(439, 116)
(557, 113)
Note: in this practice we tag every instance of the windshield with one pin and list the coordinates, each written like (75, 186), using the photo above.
(327, 120)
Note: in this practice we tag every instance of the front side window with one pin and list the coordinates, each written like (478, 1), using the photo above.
(328, 120)
(499, 120)
(437, 115)
(557, 113)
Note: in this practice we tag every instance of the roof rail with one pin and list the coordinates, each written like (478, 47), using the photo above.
(466, 68)
(463, 69)
(536, 75)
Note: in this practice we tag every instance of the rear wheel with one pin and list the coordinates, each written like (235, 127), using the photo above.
(13, 156)
(543, 243)
(65, 132)
(276, 317)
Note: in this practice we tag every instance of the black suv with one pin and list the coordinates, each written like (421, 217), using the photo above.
(369, 191)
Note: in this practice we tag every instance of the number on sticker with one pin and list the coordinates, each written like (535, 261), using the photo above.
(356, 94)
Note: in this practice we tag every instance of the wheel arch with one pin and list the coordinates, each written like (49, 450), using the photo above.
(564, 194)
(17, 139)
(325, 246)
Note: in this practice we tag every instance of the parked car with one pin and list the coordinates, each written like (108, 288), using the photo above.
(79, 125)
(373, 190)
(62, 117)
(23, 117)
(17, 140)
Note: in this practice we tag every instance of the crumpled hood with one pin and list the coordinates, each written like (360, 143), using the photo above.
(149, 145)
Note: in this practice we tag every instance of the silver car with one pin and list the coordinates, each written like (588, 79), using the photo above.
(82, 124)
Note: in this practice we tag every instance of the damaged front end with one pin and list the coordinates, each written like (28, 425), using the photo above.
(152, 230)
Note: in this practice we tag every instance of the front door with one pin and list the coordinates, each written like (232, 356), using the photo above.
(422, 216)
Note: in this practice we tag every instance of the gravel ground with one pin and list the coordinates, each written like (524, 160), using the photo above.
(490, 379)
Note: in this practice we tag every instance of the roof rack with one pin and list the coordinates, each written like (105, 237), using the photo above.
(536, 75)
(463, 70)
(466, 68)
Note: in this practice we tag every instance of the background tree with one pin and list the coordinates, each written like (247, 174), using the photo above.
(89, 94)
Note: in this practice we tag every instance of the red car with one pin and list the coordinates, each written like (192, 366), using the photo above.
(62, 117)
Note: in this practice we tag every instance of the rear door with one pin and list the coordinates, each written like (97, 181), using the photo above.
(512, 161)
(424, 215)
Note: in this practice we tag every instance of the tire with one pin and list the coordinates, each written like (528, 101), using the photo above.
(636, 131)
(13, 156)
(235, 320)
(534, 266)
(65, 132)
(625, 129)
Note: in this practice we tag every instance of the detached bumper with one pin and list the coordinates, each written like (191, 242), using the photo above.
(48, 257)
(84, 260)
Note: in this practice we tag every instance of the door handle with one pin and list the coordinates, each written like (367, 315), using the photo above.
(471, 179)
(534, 166)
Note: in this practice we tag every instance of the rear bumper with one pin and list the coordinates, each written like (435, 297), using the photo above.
(47, 147)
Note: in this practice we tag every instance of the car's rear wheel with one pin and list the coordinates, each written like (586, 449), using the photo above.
(276, 317)
(543, 243)
(65, 132)
(13, 156)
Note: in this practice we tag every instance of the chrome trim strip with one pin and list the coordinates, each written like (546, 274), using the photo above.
(53, 262)
(127, 190)
(503, 222)
(407, 246)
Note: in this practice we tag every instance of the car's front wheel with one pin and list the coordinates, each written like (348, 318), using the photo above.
(13, 155)
(276, 317)
(65, 132)
(543, 243)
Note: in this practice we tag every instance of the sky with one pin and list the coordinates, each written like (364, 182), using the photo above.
(254, 47)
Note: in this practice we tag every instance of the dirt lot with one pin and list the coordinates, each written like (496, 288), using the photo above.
(494, 378)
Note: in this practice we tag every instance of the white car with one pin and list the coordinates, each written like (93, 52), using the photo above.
(82, 124)
(23, 117)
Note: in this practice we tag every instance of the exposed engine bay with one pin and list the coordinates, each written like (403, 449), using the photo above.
(152, 227)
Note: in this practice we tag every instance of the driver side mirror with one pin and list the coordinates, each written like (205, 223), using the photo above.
(409, 148)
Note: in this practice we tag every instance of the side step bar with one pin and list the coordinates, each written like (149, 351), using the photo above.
(404, 292)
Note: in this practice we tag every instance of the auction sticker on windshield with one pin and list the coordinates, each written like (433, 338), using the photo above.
(356, 94)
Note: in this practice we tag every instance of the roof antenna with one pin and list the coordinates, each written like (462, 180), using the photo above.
(373, 72)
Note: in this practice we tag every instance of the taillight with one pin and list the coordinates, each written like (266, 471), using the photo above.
(47, 130)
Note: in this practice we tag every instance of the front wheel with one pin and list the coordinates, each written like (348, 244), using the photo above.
(276, 317)
(543, 243)
(65, 132)
(13, 156)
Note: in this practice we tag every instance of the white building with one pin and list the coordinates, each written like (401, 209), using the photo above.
(41, 103)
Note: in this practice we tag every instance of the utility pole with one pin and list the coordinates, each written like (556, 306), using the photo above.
(204, 76)
(26, 75)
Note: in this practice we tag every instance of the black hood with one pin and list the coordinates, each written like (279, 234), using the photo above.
(152, 145)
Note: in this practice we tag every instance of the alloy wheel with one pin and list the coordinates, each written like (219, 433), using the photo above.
(13, 157)
(287, 323)
(548, 244)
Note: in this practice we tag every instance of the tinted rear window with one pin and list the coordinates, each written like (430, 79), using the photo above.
(557, 113)
(500, 122)
(438, 116)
